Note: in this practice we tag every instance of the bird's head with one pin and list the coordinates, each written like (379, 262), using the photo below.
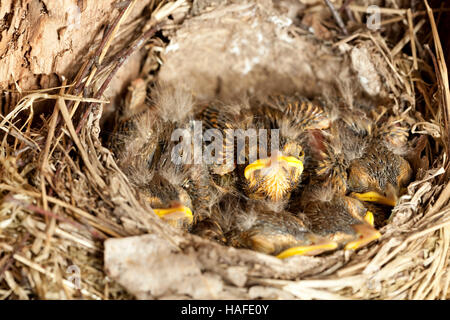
(382, 186)
(276, 176)
(170, 202)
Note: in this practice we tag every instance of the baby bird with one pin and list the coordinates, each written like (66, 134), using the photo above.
(333, 150)
(265, 227)
(281, 234)
(381, 174)
(337, 218)
(273, 166)
(168, 200)
(365, 160)
(145, 154)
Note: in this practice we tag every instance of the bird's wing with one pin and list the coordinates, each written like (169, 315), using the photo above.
(222, 118)
(303, 113)
(394, 132)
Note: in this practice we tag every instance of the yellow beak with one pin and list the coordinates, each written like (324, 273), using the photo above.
(175, 213)
(369, 218)
(373, 196)
(307, 250)
(264, 163)
(365, 234)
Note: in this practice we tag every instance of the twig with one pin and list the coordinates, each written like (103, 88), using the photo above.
(406, 39)
(84, 155)
(45, 154)
(412, 38)
(40, 269)
(16, 133)
(98, 56)
(363, 9)
(122, 57)
(79, 84)
(345, 5)
(47, 213)
(17, 249)
(347, 10)
(443, 72)
(95, 61)
(337, 17)
(77, 211)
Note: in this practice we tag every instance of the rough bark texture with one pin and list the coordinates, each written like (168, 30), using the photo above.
(39, 38)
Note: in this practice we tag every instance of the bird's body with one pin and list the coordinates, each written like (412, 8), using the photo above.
(264, 227)
(291, 180)
(360, 159)
(176, 191)
(270, 163)
(379, 175)
(281, 234)
(335, 217)
(357, 173)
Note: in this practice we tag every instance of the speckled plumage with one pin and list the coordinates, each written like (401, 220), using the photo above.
(275, 179)
(380, 170)
(333, 216)
(262, 205)
(361, 158)
(263, 226)
(143, 147)
(273, 232)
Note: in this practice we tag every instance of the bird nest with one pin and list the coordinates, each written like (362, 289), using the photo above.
(71, 224)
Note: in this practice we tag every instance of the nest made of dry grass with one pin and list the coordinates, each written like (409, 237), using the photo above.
(62, 195)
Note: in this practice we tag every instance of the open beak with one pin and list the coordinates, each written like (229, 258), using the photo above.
(373, 196)
(292, 162)
(175, 213)
(308, 250)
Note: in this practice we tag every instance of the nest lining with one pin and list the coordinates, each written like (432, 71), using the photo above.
(63, 194)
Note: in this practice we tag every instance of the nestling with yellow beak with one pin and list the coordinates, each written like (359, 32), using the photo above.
(364, 160)
(265, 227)
(144, 154)
(276, 171)
(337, 218)
(382, 174)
